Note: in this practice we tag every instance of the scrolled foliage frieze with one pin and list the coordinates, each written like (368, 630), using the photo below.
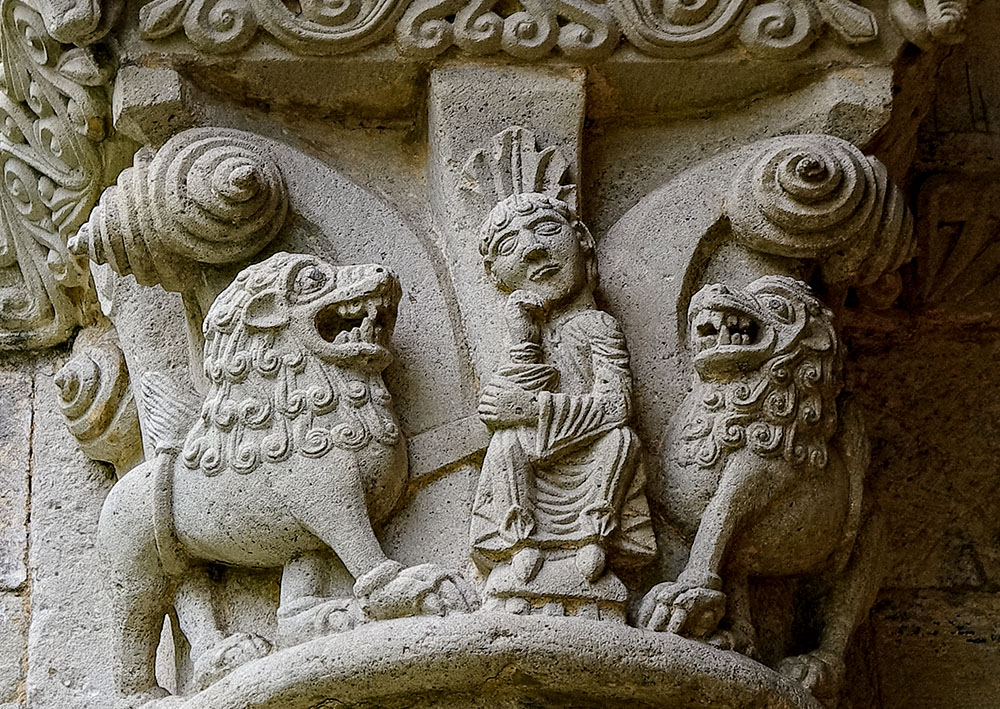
(321, 28)
(55, 153)
(582, 30)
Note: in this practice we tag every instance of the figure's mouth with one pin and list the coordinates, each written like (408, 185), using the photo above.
(724, 327)
(544, 272)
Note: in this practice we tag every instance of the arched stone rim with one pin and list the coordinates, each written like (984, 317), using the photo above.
(559, 658)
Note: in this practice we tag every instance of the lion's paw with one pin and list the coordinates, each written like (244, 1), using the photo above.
(735, 640)
(678, 607)
(391, 591)
(225, 656)
(312, 617)
(822, 673)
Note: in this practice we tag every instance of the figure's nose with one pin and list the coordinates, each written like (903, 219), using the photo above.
(534, 252)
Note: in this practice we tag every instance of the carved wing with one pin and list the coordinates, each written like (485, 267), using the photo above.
(170, 409)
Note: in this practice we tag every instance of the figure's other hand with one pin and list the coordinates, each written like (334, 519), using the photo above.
(523, 313)
(503, 404)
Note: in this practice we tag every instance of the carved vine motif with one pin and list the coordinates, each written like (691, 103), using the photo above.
(55, 108)
(317, 27)
(580, 29)
(584, 30)
(778, 28)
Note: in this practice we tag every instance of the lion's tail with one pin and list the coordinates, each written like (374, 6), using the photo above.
(851, 441)
(170, 411)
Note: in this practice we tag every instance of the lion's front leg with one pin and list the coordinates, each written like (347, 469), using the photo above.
(330, 502)
(694, 604)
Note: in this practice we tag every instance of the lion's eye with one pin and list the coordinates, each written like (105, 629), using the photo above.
(309, 280)
(778, 308)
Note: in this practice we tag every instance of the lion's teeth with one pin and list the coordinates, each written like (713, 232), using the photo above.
(744, 324)
(733, 322)
(724, 335)
(368, 329)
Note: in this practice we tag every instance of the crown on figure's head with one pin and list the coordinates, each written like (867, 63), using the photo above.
(515, 177)
(514, 165)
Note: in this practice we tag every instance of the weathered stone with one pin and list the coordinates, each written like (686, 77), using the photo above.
(17, 387)
(69, 660)
(13, 645)
(655, 267)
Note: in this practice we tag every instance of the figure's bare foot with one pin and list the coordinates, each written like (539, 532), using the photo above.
(312, 617)
(686, 607)
(390, 591)
(526, 563)
(590, 560)
(821, 672)
(223, 657)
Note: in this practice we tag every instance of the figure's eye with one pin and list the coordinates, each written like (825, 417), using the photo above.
(309, 280)
(505, 245)
(778, 308)
(547, 228)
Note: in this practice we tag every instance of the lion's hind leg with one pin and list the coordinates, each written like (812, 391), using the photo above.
(138, 588)
(844, 608)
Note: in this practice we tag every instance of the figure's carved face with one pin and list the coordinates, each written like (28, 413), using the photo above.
(733, 331)
(343, 314)
(539, 252)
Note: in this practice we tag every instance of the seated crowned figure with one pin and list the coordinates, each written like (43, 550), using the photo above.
(560, 500)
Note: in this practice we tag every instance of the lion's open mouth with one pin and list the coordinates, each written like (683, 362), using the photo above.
(365, 320)
(717, 327)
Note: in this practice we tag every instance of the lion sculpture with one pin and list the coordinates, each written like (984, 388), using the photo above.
(294, 451)
(763, 475)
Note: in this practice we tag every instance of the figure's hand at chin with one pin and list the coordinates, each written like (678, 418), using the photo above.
(523, 313)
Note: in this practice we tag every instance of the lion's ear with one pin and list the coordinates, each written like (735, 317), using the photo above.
(266, 312)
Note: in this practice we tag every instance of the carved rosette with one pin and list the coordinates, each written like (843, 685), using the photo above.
(819, 197)
(96, 398)
(207, 196)
(54, 155)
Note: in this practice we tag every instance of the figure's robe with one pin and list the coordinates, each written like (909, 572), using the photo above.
(576, 477)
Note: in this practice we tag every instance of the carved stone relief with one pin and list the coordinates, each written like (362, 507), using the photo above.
(96, 398)
(764, 470)
(294, 450)
(586, 30)
(561, 496)
(56, 155)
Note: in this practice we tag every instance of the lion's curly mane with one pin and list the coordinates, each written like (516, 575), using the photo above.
(785, 408)
(269, 396)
